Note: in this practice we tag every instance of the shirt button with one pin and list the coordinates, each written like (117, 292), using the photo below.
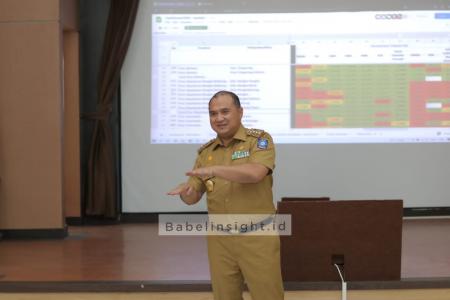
(227, 200)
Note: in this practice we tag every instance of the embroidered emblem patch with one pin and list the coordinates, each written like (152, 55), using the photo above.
(240, 154)
(262, 143)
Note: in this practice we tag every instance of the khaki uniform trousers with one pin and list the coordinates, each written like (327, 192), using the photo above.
(255, 259)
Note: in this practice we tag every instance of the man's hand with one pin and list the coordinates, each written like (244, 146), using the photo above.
(204, 173)
(187, 193)
(182, 188)
(243, 173)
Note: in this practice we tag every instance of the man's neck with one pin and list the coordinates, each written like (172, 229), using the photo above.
(226, 142)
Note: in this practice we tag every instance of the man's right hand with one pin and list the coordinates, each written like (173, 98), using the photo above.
(181, 189)
(187, 193)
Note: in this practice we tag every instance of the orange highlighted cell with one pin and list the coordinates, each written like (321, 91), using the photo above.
(318, 106)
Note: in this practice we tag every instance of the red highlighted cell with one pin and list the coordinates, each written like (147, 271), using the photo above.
(303, 120)
(319, 106)
(421, 92)
(433, 69)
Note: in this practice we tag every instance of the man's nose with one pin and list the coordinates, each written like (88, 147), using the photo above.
(220, 117)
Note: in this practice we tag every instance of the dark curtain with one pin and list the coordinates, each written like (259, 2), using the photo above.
(101, 197)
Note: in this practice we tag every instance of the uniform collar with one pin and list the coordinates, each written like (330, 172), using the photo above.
(239, 135)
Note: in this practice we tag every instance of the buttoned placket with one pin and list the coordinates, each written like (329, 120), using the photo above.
(227, 162)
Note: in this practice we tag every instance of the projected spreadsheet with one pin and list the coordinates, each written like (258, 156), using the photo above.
(394, 95)
(303, 80)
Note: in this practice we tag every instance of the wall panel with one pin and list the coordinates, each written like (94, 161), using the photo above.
(30, 125)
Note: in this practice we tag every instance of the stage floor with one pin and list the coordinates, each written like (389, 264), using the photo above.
(135, 253)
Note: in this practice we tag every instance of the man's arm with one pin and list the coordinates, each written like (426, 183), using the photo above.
(244, 173)
(187, 193)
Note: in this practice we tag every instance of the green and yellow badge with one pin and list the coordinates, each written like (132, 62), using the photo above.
(240, 154)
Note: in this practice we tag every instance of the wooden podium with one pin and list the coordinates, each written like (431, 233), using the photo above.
(365, 236)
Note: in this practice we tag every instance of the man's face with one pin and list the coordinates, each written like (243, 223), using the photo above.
(224, 116)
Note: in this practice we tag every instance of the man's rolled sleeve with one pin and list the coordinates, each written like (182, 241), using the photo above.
(195, 181)
(262, 154)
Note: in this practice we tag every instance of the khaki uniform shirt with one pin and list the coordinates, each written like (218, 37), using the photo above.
(223, 196)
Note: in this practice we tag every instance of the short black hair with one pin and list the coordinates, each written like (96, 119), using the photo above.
(235, 97)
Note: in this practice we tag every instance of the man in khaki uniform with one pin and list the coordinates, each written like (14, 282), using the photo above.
(235, 170)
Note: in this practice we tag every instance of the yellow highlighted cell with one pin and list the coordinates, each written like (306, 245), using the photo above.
(445, 109)
(318, 101)
(399, 123)
(336, 92)
(334, 101)
(445, 123)
(302, 106)
(302, 71)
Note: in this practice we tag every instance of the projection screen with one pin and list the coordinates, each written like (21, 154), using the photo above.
(356, 95)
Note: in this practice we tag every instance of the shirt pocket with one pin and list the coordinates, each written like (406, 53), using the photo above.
(217, 197)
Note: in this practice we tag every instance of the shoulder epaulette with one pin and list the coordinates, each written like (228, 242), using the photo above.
(205, 145)
(254, 132)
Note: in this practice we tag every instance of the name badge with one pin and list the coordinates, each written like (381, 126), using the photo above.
(240, 154)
